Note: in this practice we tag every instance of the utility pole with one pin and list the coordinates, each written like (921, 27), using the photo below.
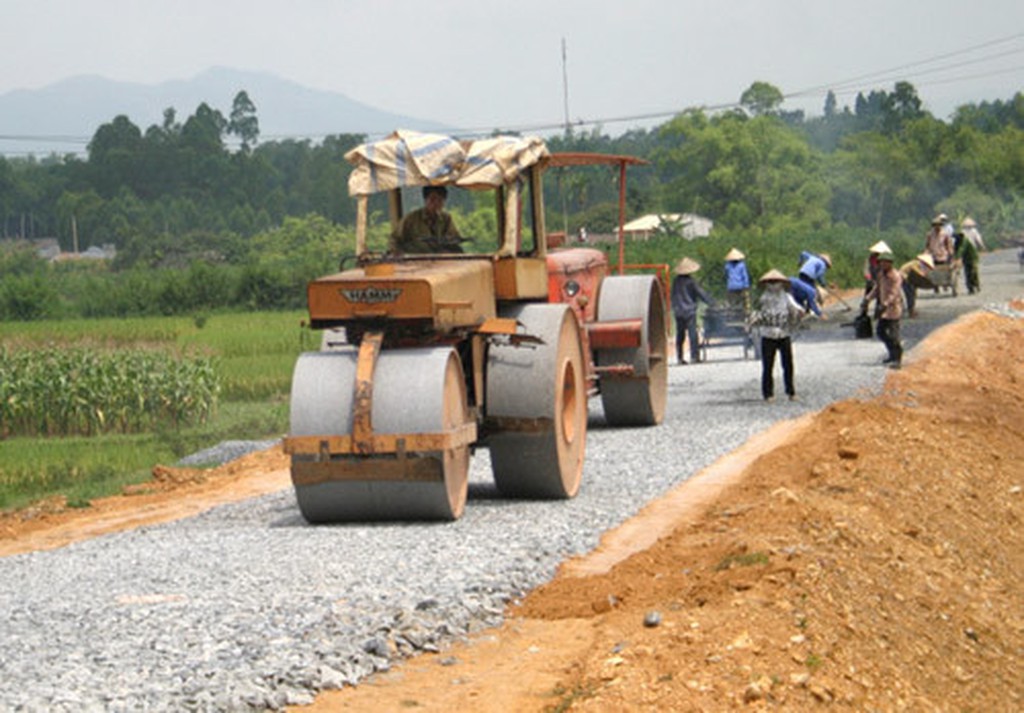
(565, 88)
(561, 173)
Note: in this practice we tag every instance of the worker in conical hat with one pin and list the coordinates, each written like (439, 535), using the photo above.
(771, 276)
(915, 276)
(687, 266)
(777, 316)
(871, 264)
(938, 241)
(971, 245)
(888, 292)
(686, 293)
(737, 281)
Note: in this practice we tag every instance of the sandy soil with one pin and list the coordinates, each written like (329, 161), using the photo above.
(173, 493)
(870, 555)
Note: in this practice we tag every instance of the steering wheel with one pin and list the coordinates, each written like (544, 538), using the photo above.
(445, 245)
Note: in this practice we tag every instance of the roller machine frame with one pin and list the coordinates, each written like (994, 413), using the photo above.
(427, 357)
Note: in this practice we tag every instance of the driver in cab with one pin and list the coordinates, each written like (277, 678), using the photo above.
(429, 229)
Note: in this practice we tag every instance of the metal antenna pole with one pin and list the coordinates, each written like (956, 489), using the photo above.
(565, 88)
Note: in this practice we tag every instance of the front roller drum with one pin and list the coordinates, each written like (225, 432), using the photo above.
(414, 391)
(537, 406)
(636, 398)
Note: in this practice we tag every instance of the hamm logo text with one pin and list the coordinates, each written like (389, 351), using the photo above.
(372, 295)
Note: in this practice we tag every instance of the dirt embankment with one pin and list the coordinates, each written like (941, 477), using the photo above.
(874, 560)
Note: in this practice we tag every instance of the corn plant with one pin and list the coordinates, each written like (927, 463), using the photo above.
(83, 391)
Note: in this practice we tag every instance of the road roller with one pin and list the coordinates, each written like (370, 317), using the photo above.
(472, 342)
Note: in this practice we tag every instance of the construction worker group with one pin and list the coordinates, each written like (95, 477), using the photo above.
(785, 301)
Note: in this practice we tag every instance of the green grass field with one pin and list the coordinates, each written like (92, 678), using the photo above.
(253, 354)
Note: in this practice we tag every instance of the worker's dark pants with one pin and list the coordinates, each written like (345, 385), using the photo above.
(687, 327)
(784, 347)
(889, 333)
(971, 275)
(910, 297)
(912, 282)
(738, 300)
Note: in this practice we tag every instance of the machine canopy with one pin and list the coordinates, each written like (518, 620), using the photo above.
(410, 158)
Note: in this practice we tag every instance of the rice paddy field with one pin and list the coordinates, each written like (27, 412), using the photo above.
(88, 406)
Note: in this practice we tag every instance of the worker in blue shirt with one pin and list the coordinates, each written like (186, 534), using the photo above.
(737, 280)
(806, 296)
(813, 267)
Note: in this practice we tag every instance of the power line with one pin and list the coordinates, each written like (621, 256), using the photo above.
(840, 87)
(917, 63)
(819, 90)
(843, 88)
(947, 80)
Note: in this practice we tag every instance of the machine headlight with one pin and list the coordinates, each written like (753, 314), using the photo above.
(572, 288)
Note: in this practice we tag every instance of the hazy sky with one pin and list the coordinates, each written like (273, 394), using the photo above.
(481, 64)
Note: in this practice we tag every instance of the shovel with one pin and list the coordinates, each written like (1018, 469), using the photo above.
(840, 300)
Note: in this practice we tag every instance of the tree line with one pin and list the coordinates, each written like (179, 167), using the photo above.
(885, 164)
(207, 194)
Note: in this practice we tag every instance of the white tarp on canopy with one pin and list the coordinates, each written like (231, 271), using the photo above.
(411, 158)
(492, 162)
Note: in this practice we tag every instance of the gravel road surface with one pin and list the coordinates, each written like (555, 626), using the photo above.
(247, 607)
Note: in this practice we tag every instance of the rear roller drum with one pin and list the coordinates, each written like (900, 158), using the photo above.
(537, 406)
(637, 399)
(414, 391)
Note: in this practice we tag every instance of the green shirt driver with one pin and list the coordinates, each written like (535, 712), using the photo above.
(429, 229)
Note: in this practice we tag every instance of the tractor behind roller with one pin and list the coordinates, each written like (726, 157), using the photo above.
(498, 345)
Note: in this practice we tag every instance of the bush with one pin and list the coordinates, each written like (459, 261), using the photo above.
(28, 297)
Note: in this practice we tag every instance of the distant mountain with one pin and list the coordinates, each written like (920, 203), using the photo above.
(62, 117)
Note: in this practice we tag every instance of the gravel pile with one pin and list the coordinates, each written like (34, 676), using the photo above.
(247, 607)
(225, 451)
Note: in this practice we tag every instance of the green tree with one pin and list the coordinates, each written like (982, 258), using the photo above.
(243, 122)
(874, 179)
(83, 213)
(204, 130)
(829, 109)
(7, 194)
(761, 98)
(904, 103)
(114, 153)
(743, 173)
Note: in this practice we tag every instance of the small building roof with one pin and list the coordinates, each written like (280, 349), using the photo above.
(691, 224)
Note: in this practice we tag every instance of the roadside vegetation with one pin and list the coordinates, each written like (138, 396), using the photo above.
(89, 406)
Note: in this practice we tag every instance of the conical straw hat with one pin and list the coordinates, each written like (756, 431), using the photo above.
(687, 266)
(827, 258)
(880, 247)
(734, 254)
(927, 259)
(773, 275)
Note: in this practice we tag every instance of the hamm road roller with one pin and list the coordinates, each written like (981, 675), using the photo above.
(490, 342)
